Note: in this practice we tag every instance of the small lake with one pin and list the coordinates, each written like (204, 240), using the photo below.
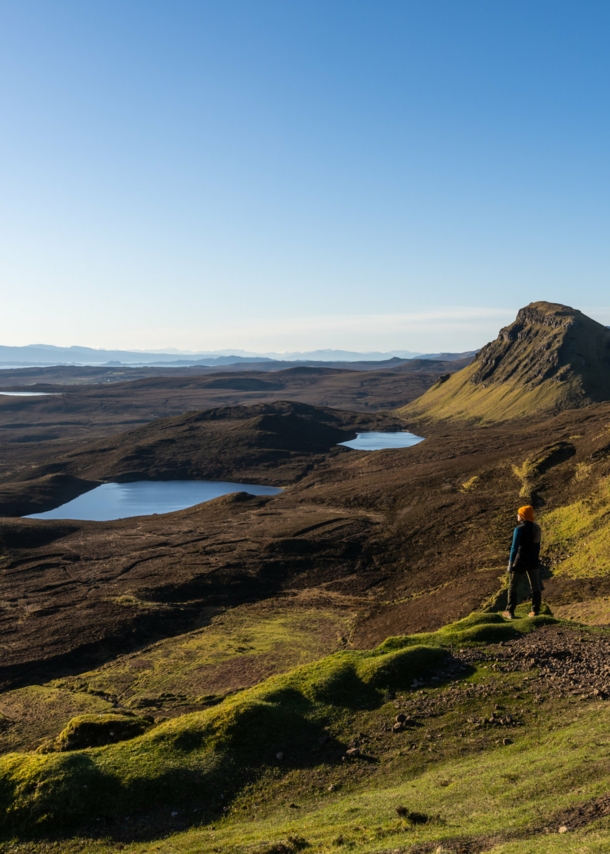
(31, 393)
(145, 498)
(381, 441)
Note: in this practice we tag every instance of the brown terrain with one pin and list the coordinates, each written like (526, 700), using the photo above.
(407, 536)
(92, 403)
(115, 632)
(409, 539)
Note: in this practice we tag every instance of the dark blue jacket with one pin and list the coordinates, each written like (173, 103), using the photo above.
(525, 548)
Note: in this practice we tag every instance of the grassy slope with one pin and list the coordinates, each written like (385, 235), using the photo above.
(239, 648)
(578, 535)
(457, 397)
(470, 785)
(546, 340)
(195, 757)
(502, 789)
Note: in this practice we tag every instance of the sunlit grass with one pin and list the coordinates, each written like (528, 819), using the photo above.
(578, 535)
(224, 748)
(238, 649)
(505, 791)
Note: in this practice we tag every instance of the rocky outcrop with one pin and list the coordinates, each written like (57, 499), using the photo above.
(552, 357)
(546, 341)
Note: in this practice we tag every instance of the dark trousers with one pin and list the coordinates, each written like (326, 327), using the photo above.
(515, 578)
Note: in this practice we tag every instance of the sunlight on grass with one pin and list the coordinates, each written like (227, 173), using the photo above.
(499, 791)
(239, 648)
(578, 535)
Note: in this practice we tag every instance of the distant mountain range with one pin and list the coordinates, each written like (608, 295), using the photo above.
(42, 355)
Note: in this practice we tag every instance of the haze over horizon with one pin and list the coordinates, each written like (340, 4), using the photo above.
(277, 177)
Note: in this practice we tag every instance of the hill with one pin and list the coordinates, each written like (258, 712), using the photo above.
(274, 674)
(552, 357)
(408, 539)
(88, 404)
(267, 443)
(50, 355)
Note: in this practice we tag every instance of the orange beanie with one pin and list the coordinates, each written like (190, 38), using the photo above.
(527, 512)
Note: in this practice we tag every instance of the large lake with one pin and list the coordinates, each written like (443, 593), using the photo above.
(381, 441)
(144, 498)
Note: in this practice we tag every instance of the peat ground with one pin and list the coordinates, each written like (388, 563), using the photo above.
(419, 535)
(181, 614)
(97, 402)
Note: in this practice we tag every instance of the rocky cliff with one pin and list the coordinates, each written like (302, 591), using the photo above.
(552, 357)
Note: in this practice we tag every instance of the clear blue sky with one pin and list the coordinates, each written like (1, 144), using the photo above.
(298, 174)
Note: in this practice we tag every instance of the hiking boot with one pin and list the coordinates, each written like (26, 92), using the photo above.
(507, 615)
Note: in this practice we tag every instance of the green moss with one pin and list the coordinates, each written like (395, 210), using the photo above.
(37, 713)
(236, 650)
(501, 797)
(95, 730)
(501, 790)
(397, 670)
(577, 535)
(219, 750)
(476, 628)
(239, 648)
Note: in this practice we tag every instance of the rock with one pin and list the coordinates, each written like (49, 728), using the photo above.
(507, 741)
(353, 752)
(401, 718)
(397, 727)
(563, 829)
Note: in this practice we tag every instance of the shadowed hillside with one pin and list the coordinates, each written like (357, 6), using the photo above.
(268, 443)
(89, 404)
(552, 357)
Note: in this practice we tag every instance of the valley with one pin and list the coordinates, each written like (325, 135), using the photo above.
(227, 677)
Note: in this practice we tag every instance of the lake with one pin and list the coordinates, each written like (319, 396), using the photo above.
(145, 498)
(381, 441)
(31, 393)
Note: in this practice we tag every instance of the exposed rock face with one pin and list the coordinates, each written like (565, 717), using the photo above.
(546, 341)
(552, 357)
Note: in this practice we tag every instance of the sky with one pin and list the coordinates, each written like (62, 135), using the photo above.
(277, 175)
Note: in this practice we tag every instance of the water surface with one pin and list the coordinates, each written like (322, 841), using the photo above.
(31, 393)
(146, 498)
(380, 441)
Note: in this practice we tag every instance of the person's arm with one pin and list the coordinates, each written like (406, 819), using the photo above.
(514, 547)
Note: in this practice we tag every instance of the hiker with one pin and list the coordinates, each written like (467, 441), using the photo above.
(524, 557)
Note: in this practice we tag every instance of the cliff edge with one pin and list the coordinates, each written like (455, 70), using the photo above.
(552, 357)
